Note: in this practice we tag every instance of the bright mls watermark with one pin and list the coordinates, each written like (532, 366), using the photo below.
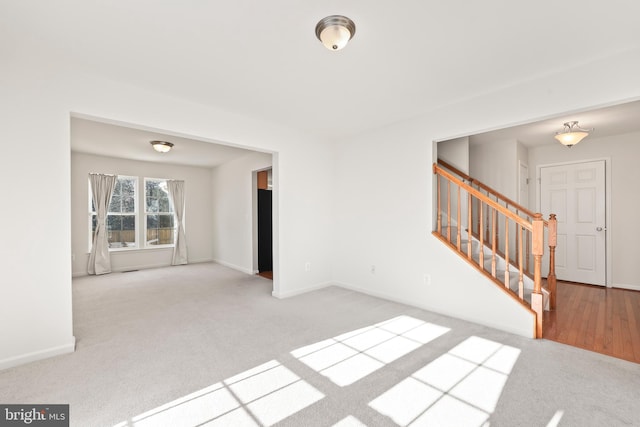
(34, 415)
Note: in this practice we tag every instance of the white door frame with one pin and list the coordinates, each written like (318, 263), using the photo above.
(522, 165)
(607, 186)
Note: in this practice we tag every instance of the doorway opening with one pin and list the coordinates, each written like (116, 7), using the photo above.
(219, 192)
(264, 223)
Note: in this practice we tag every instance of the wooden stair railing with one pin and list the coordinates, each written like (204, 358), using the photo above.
(485, 211)
(507, 203)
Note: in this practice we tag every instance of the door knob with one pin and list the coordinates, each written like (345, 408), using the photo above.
(600, 228)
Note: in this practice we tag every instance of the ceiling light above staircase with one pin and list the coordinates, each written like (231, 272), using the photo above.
(572, 134)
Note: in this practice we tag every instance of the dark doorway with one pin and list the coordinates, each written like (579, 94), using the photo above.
(265, 233)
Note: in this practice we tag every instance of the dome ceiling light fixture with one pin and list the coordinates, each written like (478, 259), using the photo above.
(335, 31)
(572, 134)
(161, 146)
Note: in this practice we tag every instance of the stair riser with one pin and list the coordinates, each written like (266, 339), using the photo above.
(500, 266)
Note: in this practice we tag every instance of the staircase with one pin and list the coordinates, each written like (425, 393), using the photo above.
(500, 238)
(523, 287)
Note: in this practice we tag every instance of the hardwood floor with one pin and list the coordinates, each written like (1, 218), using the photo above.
(266, 274)
(604, 320)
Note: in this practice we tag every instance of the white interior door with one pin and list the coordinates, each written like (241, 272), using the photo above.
(576, 194)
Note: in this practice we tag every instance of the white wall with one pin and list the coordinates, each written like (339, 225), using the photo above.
(198, 208)
(232, 216)
(387, 222)
(36, 103)
(455, 152)
(623, 152)
(522, 153)
(388, 226)
(379, 218)
(523, 158)
(496, 165)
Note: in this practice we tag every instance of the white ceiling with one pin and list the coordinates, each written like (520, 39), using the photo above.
(261, 58)
(104, 139)
(615, 120)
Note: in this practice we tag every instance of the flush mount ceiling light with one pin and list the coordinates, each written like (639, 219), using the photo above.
(572, 134)
(335, 31)
(162, 146)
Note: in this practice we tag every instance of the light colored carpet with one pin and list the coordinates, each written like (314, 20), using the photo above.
(203, 344)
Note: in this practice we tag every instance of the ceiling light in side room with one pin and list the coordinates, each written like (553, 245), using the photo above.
(572, 134)
(335, 31)
(162, 146)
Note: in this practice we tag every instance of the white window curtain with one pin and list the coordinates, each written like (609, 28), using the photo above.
(176, 191)
(102, 187)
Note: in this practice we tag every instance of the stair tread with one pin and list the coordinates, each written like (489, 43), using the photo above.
(514, 275)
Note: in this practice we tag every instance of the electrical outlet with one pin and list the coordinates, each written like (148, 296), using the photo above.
(307, 266)
(373, 269)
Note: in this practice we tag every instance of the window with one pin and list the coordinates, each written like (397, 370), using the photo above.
(124, 231)
(122, 216)
(158, 212)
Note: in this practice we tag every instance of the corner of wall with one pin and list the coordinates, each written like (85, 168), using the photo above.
(283, 295)
(39, 355)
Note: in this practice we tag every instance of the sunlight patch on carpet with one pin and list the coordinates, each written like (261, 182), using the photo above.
(352, 356)
(263, 395)
(349, 421)
(461, 387)
(555, 420)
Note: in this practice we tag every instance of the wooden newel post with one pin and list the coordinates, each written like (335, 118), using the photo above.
(439, 214)
(551, 278)
(538, 250)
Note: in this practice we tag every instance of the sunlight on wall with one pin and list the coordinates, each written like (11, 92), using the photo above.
(461, 387)
(350, 357)
(263, 395)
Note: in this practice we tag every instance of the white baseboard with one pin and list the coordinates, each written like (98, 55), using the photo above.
(142, 267)
(200, 260)
(38, 355)
(412, 303)
(127, 268)
(289, 294)
(139, 267)
(382, 295)
(623, 286)
(233, 266)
